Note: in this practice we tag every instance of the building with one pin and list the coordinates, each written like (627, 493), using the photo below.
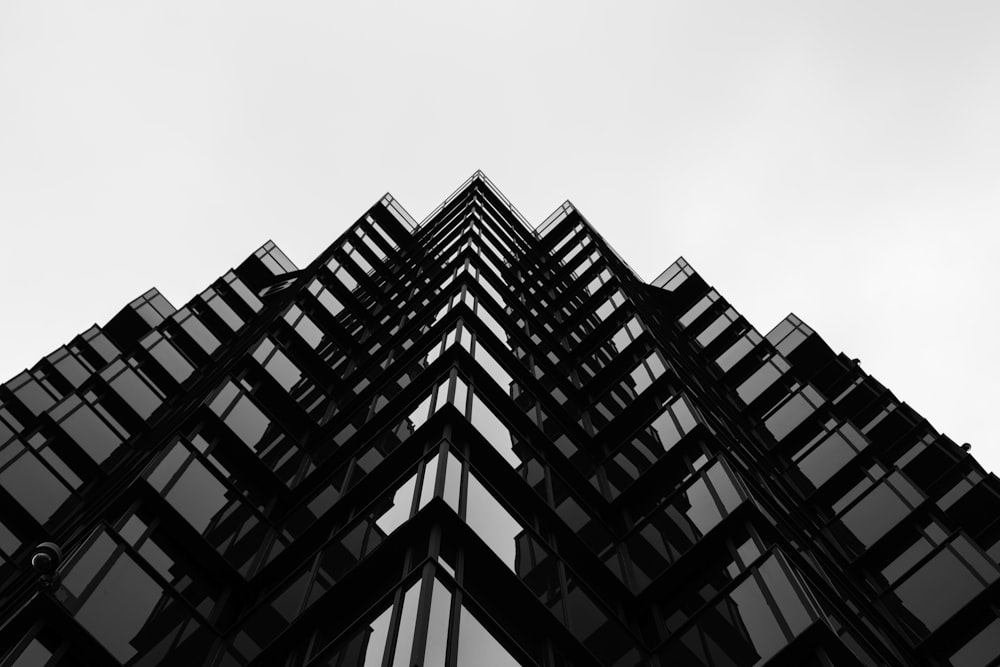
(472, 442)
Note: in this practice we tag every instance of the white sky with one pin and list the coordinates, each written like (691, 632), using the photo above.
(836, 159)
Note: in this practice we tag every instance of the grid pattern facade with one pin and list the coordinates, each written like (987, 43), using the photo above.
(473, 442)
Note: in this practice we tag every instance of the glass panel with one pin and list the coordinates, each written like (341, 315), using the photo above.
(491, 428)
(247, 421)
(118, 611)
(427, 485)
(33, 655)
(938, 589)
(92, 434)
(407, 624)
(716, 327)
(199, 333)
(737, 351)
(8, 541)
(494, 525)
(34, 486)
(198, 496)
(36, 399)
(973, 557)
(724, 486)
(784, 593)
(72, 370)
(874, 515)
(376, 639)
(753, 622)
(227, 314)
(279, 366)
(476, 646)
(666, 430)
(171, 360)
(398, 509)
(784, 420)
(86, 568)
(981, 650)
(763, 378)
(691, 315)
(452, 481)
(825, 460)
(167, 467)
(493, 368)
(907, 559)
(437, 626)
(136, 393)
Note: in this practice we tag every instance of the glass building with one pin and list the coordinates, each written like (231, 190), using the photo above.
(470, 441)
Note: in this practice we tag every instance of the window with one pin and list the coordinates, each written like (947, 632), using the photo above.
(789, 334)
(125, 608)
(720, 324)
(494, 430)
(167, 356)
(674, 276)
(697, 309)
(83, 425)
(884, 506)
(492, 522)
(793, 412)
(829, 456)
(739, 350)
(940, 587)
(29, 482)
(765, 376)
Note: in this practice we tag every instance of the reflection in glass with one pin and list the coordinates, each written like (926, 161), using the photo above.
(198, 495)
(787, 599)
(677, 526)
(136, 393)
(750, 612)
(938, 589)
(364, 648)
(437, 625)
(33, 655)
(407, 624)
(33, 485)
(476, 646)
(118, 610)
(92, 434)
(762, 378)
(981, 650)
(83, 571)
(491, 428)
(875, 514)
(492, 522)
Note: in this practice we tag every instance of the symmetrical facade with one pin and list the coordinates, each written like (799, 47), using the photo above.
(472, 442)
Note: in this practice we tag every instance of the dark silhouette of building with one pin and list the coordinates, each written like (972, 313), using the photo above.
(471, 442)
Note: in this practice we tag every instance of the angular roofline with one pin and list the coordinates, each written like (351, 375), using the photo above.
(478, 177)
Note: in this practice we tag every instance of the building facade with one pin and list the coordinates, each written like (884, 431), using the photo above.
(473, 442)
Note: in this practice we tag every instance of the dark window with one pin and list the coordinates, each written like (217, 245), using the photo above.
(33, 485)
(981, 650)
(938, 589)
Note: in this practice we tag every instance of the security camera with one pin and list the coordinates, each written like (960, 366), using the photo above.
(45, 561)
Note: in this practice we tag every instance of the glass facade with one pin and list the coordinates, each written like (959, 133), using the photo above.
(467, 441)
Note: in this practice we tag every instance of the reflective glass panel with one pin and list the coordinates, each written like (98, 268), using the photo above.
(437, 625)
(491, 428)
(34, 486)
(494, 524)
(938, 589)
(981, 650)
(118, 611)
(92, 434)
(476, 646)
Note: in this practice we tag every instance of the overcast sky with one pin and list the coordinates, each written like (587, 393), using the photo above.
(839, 160)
